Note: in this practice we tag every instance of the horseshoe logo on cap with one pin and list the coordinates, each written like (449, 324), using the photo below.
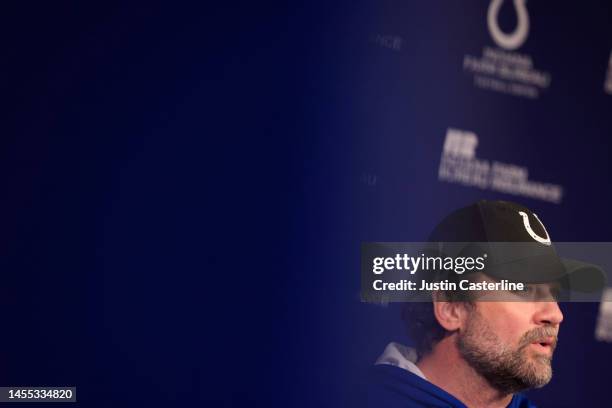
(545, 241)
(515, 39)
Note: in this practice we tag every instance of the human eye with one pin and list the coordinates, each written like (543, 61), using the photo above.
(527, 292)
(555, 293)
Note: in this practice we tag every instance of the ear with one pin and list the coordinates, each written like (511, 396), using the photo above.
(450, 315)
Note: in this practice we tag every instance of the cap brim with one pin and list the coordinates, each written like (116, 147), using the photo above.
(573, 275)
(582, 276)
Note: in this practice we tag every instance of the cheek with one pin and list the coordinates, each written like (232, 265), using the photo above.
(509, 321)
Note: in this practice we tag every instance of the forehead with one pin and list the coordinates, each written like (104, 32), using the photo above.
(532, 292)
(552, 286)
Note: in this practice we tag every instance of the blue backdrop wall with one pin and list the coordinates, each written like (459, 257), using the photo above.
(186, 187)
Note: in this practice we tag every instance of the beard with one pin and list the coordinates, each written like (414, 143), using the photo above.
(507, 369)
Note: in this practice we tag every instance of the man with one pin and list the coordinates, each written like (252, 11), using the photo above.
(477, 353)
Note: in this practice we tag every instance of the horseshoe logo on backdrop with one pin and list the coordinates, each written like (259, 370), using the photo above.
(545, 241)
(515, 39)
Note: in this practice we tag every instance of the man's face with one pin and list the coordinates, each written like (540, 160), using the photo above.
(511, 343)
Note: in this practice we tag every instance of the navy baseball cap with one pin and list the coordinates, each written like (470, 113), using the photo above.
(517, 245)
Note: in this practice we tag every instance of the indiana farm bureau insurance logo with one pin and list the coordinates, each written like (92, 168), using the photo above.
(459, 165)
(502, 69)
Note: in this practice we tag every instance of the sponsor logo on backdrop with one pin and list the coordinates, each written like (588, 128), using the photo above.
(459, 165)
(608, 83)
(603, 330)
(502, 68)
(369, 179)
(508, 41)
(392, 42)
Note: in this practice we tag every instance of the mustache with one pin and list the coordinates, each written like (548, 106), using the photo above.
(538, 334)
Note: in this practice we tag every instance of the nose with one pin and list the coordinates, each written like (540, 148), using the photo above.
(549, 314)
